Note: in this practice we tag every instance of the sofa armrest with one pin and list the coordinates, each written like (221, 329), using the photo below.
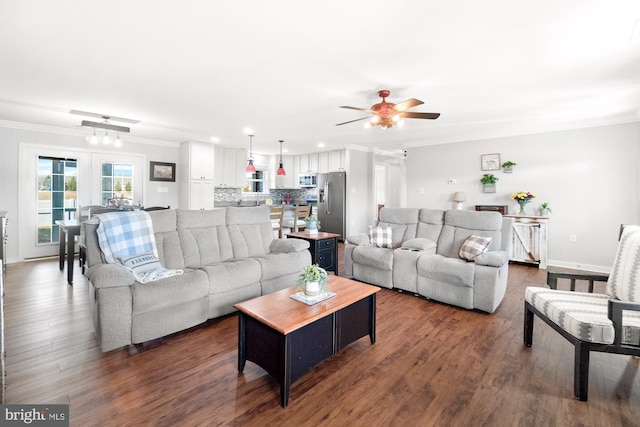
(359, 239)
(492, 258)
(419, 244)
(288, 245)
(110, 276)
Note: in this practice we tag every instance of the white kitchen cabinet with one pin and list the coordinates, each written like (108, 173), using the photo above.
(196, 174)
(201, 160)
(304, 164)
(230, 167)
(313, 163)
(296, 168)
(201, 194)
(336, 160)
(323, 162)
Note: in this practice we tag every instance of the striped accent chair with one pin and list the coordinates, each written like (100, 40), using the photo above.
(593, 322)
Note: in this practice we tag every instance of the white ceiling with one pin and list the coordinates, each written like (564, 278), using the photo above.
(195, 69)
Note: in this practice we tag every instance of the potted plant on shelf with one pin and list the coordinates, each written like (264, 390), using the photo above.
(489, 181)
(507, 166)
(545, 209)
(313, 225)
(313, 279)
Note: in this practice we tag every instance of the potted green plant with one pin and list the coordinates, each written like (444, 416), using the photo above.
(312, 223)
(313, 279)
(507, 166)
(545, 209)
(489, 181)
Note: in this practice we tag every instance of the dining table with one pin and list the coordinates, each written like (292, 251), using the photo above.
(69, 229)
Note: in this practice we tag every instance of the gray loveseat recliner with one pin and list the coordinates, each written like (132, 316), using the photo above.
(424, 257)
(228, 255)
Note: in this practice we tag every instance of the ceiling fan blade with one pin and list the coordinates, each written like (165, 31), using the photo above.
(357, 108)
(414, 115)
(351, 121)
(411, 102)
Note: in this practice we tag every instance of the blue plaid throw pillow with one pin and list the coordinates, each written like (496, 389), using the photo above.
(380, 237)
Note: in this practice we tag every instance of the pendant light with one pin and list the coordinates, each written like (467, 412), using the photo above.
(250, 167)
(281, 170)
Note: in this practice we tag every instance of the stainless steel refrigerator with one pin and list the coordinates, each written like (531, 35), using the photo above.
(332, 193)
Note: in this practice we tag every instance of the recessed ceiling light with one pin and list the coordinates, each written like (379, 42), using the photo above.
(320, 144)
(284, 150)
(248, 131)
(215, 139)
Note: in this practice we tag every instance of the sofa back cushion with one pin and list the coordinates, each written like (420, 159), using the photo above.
(167, 240)
(402, 221)
(430, 224)
(204, 237)
(250, 230)
(461, 224)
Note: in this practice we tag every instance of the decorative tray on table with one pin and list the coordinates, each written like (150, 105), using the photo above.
(300, 296)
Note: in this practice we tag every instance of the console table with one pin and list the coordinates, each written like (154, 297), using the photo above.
(529, 239)
(323, 247)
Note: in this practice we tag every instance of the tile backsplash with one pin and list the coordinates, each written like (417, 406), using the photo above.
(298, 195)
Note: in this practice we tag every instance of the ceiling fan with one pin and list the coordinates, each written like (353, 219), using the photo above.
(386, 114)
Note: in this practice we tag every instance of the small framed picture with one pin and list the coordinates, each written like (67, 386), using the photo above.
(490, 162)
(159, 171)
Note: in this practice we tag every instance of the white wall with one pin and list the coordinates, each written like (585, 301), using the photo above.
(10, 138)
(589, 176)
(360, 191)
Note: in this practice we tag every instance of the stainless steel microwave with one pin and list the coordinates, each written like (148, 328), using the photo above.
(308, 180)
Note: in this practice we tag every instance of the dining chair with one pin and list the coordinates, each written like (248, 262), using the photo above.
(608, 323)
(297, 223)
(277, 216)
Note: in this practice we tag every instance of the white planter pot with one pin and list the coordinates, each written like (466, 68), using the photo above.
(312, 289)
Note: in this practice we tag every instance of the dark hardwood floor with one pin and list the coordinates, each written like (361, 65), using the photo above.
(432, 365)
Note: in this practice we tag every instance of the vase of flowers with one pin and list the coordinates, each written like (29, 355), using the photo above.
(313, 279)
(523, 197)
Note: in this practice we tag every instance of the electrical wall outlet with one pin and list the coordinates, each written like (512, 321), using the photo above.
(572, 238)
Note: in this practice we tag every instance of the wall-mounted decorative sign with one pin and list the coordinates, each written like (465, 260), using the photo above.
(159, 171)
(490, 162)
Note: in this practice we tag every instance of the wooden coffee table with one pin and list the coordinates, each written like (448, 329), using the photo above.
(287, 338)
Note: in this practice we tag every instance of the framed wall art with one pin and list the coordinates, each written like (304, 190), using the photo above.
(159, 171)
(490, 162)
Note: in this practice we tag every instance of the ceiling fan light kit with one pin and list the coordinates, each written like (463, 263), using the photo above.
(387, 114)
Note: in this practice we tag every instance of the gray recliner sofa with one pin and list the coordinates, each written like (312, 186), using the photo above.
(228, 255)
(424, 256)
